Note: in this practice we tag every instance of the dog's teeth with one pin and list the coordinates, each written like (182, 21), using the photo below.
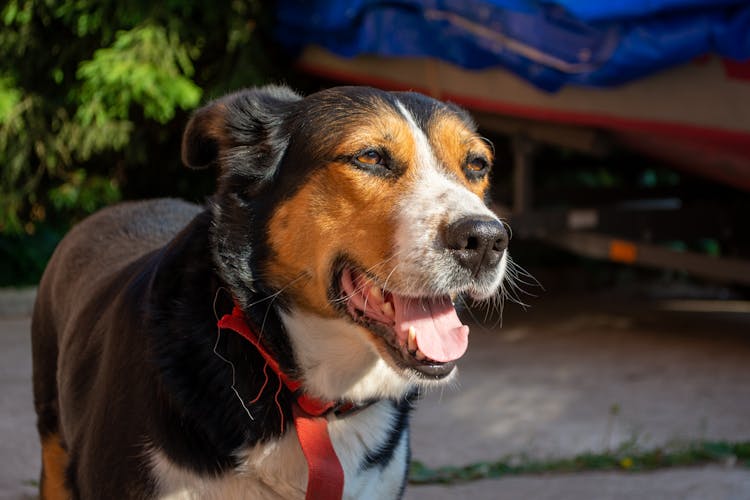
(376, 293)
(411, 343)
(387, 309)
(420, 355)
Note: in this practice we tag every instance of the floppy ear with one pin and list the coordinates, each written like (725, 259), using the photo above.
(241, 133)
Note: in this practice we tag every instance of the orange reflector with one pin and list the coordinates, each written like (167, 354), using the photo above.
(622, 251)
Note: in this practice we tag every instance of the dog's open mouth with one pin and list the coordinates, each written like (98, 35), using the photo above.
(422, 333)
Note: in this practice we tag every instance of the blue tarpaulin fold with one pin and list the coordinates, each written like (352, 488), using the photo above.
(550, 43)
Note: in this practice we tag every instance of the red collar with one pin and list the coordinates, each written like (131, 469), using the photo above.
(313, 406)
(325, 479)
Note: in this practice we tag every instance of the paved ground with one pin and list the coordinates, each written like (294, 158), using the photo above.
(707, 483)
(544, 386)
(19, 444)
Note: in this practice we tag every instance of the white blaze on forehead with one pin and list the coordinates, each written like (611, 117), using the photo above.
(433, 181)
(434, 200)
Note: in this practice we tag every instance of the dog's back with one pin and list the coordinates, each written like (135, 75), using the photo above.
(103, 245)
(78, 275)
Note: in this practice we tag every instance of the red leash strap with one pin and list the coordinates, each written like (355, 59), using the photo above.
(325, 478)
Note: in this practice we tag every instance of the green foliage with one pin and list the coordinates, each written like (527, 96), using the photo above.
(147, 66)
(94, 95)
(85, 192)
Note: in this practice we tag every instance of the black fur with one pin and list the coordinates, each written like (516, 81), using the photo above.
(383, 455)
(202, 420)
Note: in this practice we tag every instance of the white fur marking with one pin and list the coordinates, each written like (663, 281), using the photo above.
(420, 218)
(339, 361)
(278, 469)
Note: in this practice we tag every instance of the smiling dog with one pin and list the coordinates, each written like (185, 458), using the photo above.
(344, 227)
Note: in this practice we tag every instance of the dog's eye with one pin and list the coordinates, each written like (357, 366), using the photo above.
(377, 161)
(370, 157)
(477, 166)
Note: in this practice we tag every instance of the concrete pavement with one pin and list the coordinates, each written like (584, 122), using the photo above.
(19, 443)
(706, 483)
(543, 386)
(580, 374)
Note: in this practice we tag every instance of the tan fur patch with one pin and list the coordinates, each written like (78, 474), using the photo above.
(207, 123)
(340, 210)
(388, 129)
(54, 463)
(452, 142)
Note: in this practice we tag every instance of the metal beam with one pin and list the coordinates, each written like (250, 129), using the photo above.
(607, 247)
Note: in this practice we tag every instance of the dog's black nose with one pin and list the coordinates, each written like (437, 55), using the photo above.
(477, 243)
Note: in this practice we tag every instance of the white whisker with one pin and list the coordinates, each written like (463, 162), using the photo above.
(231, 365)
(273, 297)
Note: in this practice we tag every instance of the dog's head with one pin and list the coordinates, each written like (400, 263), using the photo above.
(359, 217)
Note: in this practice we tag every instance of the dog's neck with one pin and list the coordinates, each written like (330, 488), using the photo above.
(338, 362)
(334, 357)
(310, 405)
(186, 299)
(216, 373)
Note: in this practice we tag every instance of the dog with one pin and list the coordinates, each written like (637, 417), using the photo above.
(344, 228)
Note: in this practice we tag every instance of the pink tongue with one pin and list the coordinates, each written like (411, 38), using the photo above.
(440, 334)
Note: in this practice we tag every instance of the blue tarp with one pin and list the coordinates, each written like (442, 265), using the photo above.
(550, 43)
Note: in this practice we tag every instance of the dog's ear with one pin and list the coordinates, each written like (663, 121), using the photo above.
(241, 133)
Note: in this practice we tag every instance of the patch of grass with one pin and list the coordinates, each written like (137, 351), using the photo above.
(626, 458)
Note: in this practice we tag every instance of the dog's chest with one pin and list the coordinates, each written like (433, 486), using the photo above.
(278, 469)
